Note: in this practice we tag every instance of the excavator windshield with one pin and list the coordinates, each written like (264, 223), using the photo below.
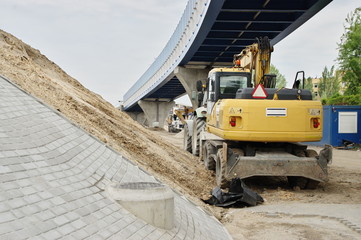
(224, 84)
(229, 84)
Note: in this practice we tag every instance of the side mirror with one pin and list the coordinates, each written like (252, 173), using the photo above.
(297, 82)
(200, 98)
(199, 86)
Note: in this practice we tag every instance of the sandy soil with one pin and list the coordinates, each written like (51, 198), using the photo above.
(155, 150)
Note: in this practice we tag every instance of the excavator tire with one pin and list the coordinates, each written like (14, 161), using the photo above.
(312, 184)
(209, 156)
(200, 124)
(221, 163)
(300, 182)
(187, 139)
(311, 153)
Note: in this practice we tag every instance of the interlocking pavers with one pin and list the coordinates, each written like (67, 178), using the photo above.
(53, 176)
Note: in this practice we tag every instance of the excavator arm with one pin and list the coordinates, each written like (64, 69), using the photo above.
(180, 115)
(257, 59)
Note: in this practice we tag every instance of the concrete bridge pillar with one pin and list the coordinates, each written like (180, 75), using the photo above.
(138, 116)
(189, 77)
(156, 111)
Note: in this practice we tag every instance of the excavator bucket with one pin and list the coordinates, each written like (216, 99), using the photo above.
(312, 167)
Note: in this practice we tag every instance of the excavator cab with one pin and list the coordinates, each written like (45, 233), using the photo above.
(222, 83)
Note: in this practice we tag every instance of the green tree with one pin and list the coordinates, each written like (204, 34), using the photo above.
(281, 80)
(308, 84)
(349, 57)
(329, 83)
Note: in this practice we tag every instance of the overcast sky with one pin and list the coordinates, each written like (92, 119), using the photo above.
(107, 45)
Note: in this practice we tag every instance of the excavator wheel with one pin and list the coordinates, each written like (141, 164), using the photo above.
(187, 139)
(295, 182)
(221, 164)
(200, 123)
(212, 159)
(209, 156)
(312, 184)
(302, 182)
(311, 153)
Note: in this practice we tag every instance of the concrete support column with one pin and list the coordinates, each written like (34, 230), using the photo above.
(138, 116)
(189, 77)
(156, 111)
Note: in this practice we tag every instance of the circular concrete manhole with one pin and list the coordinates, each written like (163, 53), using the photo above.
(152, 202)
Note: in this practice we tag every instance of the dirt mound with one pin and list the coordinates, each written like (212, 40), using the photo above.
(42, 78)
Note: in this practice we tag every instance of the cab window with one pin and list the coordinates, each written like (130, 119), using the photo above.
(229, 84)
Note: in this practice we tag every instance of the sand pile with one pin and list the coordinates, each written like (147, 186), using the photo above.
(42, 78)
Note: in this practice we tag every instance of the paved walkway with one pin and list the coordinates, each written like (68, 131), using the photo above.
(53, 176)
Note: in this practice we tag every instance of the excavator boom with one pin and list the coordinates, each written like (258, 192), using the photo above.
(256, 57)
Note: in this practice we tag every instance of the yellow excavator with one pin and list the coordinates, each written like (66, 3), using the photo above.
(246, 127)
(176, 118)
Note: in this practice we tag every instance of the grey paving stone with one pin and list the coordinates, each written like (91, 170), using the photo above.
(45, 215)
(9, 185)
(78, 224)
(32, 198)
(47, 226)
(60, 220)
(66, 229)
(80, 234)
(105, 234)
(30, 209)
(17, 203)
(68, 237)
(13, 236)
(7, 217)
(52, 234)
(15, 225)
(59, 210)
(4, 169)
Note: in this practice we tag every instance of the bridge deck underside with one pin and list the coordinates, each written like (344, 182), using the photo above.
(169, 91)
(239, 23)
